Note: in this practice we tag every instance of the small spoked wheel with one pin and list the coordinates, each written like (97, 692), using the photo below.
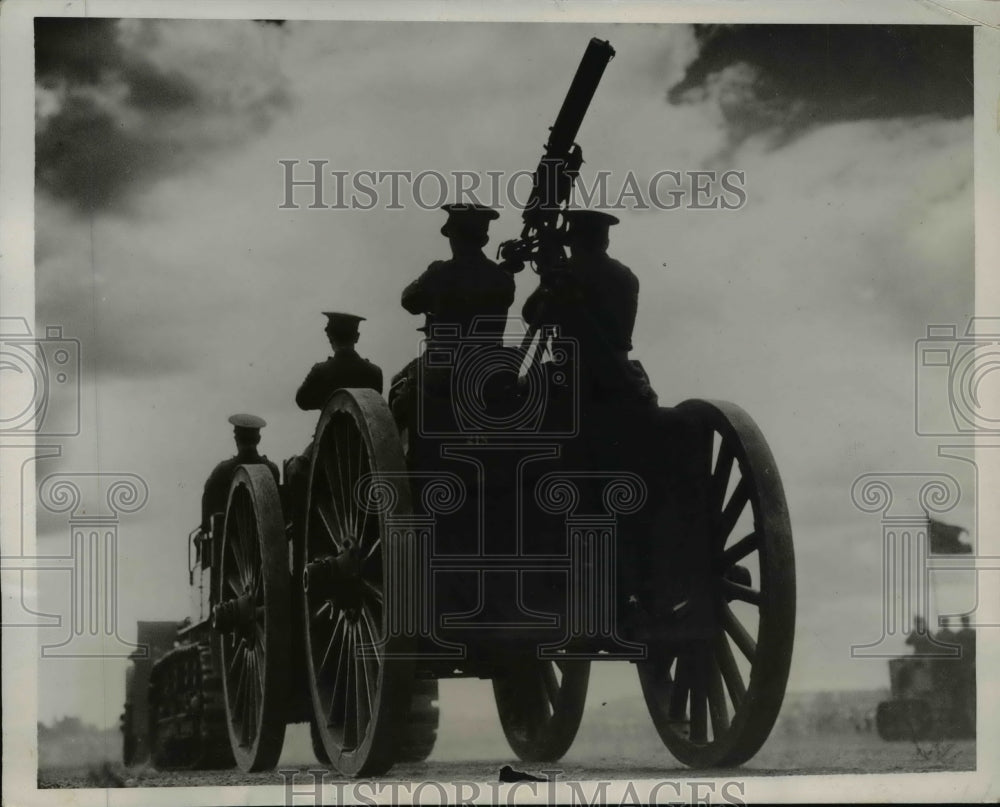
(540, 703)
(359, 677)
(714, 699)
(251, 618)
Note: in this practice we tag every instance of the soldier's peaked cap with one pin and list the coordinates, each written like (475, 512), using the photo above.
(590, 219)
(251, 422)
(339, 321)
(468, 219)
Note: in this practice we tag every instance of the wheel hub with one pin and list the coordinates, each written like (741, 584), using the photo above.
(336, 577)
(236, 615)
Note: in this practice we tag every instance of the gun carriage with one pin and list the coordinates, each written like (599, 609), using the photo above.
(477, 528)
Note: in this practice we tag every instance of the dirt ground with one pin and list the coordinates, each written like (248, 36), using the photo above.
(821, 754)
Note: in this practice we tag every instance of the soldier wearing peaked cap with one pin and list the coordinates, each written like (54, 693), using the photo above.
(246, 431)
(468, 285)
(593, 299)
(607, 289)
(345, 368)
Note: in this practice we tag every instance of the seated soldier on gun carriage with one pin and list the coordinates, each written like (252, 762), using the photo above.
(246, 432)
(345, 368)
(468, 285)
(464, 300)
(593, 299)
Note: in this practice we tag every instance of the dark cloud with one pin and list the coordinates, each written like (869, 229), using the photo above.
(114, 113)
(785, 79)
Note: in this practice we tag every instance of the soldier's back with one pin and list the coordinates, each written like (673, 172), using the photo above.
(344, 369)
(611, 295)
(458, 290)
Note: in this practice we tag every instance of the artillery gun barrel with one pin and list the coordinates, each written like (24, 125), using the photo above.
(581, 92)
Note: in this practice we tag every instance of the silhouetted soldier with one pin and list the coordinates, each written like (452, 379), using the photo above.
(246, 431)
(468, 285)
(345, 368)
(594, 299)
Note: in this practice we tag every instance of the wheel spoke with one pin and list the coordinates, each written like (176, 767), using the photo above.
(242, 526)
(342, 449)
(233, 664)
(739, 550)
(233, 583)
(372, 657)
(332, 645)
(333, 484)
(327, 519)
(720, 478)
(338, 700)
(248, 539)
(743, 640)
(361, 529)
(699, 701)
(260, 635)
(252, 699)
(740, 592)
(362, 698)
(239, 702)
(241, 676)
(350, 707)
(730, 671)
(353, 506)
(374, 634)
(716, 700)
(258, 665)
(677, 711)
(366, 673)
(373, 550)
(237, 552)
(373, 591)
(551, 684)
(732, 512)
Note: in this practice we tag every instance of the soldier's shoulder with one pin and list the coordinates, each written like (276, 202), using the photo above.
(326, 364)
(617, 264)
(622, 270)
(223, 467)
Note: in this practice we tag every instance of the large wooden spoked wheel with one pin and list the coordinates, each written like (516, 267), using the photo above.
(540, 704)
(252, 617)
(715, 701)
(359, 681)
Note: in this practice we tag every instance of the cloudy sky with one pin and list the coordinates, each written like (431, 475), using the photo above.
(161, 246)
